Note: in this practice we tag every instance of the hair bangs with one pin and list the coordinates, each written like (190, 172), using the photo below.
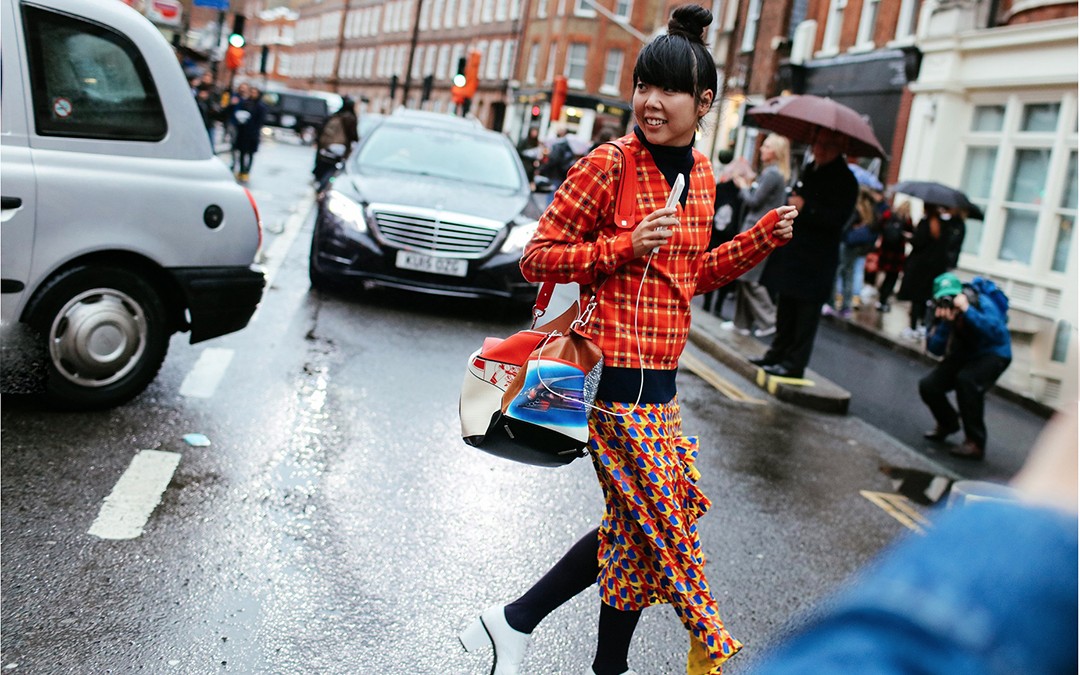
(667, 62)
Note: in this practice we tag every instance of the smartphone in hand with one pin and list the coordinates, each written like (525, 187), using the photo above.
(673, 196)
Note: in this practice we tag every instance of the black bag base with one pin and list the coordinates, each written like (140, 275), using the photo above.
(527, 443)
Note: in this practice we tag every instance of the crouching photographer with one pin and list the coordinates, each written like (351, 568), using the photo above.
(969, 332)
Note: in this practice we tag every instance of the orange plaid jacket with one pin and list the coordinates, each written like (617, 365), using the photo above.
(578, 241)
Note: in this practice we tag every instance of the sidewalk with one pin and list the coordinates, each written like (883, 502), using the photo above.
(885, 328)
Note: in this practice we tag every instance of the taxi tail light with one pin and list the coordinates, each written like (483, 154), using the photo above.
(258, 218)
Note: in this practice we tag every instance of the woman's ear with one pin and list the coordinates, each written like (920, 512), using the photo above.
(705, 102)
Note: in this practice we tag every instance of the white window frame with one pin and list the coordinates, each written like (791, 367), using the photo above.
(506, 70)
(494, 60)
(614, 62)
(541, 9)
(583, 9)
(750, 30)
(834, 25)
(549, 72)
(533, 62)
(577, 56)
(871, 11)
(907, 21)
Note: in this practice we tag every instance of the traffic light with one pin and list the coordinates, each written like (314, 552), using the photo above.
(558, 96)
(425, 90)
(536, 112)
(234, 54)
(467, 78)
(393, 86)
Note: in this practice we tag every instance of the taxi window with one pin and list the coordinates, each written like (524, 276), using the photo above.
(89, 81)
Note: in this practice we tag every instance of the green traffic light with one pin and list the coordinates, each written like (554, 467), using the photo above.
(236, 40)
(459, 80)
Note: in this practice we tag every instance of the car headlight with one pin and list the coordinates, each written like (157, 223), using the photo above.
(519, 236)
(346, 210)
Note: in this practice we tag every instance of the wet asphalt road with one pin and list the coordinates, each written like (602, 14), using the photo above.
(337, 524)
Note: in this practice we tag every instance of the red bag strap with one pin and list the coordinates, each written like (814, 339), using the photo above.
(625, 206)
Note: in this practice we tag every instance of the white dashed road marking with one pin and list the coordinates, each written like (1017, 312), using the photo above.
(203, 379)
(125, 511)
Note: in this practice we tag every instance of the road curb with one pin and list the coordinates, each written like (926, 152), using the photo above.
(733, 350)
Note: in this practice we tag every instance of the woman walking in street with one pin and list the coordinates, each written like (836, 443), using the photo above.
(753, 305)
(646, 550)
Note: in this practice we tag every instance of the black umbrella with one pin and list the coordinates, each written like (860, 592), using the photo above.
(941, 195)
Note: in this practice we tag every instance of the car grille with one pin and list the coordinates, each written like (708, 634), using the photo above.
(429, 231)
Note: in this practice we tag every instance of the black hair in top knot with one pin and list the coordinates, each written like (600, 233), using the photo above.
(690, 21)
(680, 61)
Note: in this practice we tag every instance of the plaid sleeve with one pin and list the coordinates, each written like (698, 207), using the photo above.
(569, 244)
(729, 261)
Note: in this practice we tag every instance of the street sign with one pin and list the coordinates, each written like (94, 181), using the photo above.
(221, 5)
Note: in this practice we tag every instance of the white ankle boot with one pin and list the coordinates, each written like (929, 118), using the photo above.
(491, 628)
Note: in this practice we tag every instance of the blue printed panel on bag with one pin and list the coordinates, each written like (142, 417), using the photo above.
(552, 397)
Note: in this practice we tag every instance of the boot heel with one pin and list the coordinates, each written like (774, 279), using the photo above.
(474, 637)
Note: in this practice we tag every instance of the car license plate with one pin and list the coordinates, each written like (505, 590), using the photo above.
(408, 260)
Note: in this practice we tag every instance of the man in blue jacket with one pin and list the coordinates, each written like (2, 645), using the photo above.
(969, 332)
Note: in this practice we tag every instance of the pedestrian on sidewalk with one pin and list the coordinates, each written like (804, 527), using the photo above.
(803, 274)
(856, 241)
(892, 250)
(727, 215)
(969, 332)
(646, 550)
(335, 142)
(248, 116)
(935, 247)
(754, 308)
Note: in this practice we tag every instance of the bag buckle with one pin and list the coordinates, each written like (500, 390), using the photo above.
(585, 316)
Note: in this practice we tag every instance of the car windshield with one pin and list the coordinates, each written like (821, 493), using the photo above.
(443, 153)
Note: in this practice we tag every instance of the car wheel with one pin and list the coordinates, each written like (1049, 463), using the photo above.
(105, 336)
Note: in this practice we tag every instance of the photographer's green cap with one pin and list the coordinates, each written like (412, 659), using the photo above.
(946, 285)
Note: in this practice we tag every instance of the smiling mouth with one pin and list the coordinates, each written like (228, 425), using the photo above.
(653, 122)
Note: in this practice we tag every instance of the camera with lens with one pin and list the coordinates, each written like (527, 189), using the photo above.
(945, 302)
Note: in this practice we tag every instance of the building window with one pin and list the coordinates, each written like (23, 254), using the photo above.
(613, 67)
(867, 22)
(623, 8)
(488, 12)
(463, 13)
(1065, 218)
(549, 74)
(583, 8)
(442, 66)
(1020, 169)
(541, 9)
(753, 16)
(833, 24)
(500, 10)
(493, 60)
(509, 52)
(534, 61)
(576, 57)
(907, 20)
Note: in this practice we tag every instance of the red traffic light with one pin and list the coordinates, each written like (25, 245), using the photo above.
(536, 111)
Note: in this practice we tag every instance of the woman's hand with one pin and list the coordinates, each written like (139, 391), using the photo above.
(654, 231)
(784, 228)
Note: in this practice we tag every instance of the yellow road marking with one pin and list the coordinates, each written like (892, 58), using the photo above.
(699, 368)
(770, 382)
(899, 507)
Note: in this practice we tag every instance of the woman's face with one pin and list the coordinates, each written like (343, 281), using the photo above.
(768, 153)
(668, 117)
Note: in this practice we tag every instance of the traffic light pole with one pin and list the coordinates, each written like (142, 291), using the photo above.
(412, 55)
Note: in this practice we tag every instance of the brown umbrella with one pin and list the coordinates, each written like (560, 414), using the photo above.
(800, 117)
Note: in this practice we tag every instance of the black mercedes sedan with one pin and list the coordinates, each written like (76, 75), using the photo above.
(429, 203)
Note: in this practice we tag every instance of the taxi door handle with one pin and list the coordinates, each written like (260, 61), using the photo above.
(10, 202)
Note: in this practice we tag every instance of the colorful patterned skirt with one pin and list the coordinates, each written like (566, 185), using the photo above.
(649, 548)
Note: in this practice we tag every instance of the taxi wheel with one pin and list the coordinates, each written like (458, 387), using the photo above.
(105, 335)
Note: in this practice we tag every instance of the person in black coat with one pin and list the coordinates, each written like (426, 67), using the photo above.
(248, 116)
(803, 274)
